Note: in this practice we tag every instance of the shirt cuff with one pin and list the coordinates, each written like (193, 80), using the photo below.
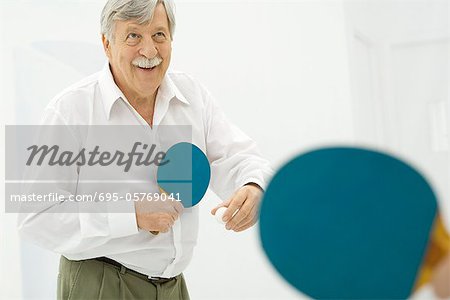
(259, 182)
(122, 219)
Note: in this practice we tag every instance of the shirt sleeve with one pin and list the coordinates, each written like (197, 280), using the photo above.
(65, 226)
(235, 158)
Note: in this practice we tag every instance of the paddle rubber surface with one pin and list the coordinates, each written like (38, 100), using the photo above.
(347, 223)
(187, 173)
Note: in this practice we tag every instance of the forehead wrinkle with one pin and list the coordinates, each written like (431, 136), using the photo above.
(132, 27)
(136, 27)
(161, 27)
(136, 24)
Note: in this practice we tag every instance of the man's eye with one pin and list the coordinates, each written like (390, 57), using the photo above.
(133, 36)
(160, 35)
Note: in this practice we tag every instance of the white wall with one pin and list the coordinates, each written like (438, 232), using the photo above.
(279, 70)
(400, 83)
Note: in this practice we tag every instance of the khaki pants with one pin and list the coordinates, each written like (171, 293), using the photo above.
(92, 279)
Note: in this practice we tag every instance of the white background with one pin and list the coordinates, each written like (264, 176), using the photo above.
(286, 72)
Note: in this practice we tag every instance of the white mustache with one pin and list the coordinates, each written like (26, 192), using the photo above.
(144, 62)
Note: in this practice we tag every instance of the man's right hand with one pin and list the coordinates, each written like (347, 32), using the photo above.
(157, 216)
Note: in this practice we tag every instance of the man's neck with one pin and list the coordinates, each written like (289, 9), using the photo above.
(144, 106)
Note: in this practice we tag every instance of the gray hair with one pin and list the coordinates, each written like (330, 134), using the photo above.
(140, 10)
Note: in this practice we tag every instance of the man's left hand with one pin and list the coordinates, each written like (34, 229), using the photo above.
(242, 208)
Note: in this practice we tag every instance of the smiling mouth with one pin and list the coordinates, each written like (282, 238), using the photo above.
(146, 69)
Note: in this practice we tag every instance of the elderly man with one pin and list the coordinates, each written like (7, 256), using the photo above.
(114, 256)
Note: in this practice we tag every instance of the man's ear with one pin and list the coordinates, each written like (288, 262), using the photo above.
(106, 46)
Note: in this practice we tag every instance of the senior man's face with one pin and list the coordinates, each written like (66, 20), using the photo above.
(139, 55)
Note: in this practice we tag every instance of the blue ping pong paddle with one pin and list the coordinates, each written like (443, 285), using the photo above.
(186, 174)
(348, 223)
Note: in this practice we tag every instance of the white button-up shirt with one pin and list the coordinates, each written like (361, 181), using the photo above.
(96, 100)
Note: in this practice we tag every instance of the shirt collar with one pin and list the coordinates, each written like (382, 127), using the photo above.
(111, 92)
(169, 90)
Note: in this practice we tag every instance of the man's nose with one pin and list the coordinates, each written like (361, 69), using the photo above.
(148, 49)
